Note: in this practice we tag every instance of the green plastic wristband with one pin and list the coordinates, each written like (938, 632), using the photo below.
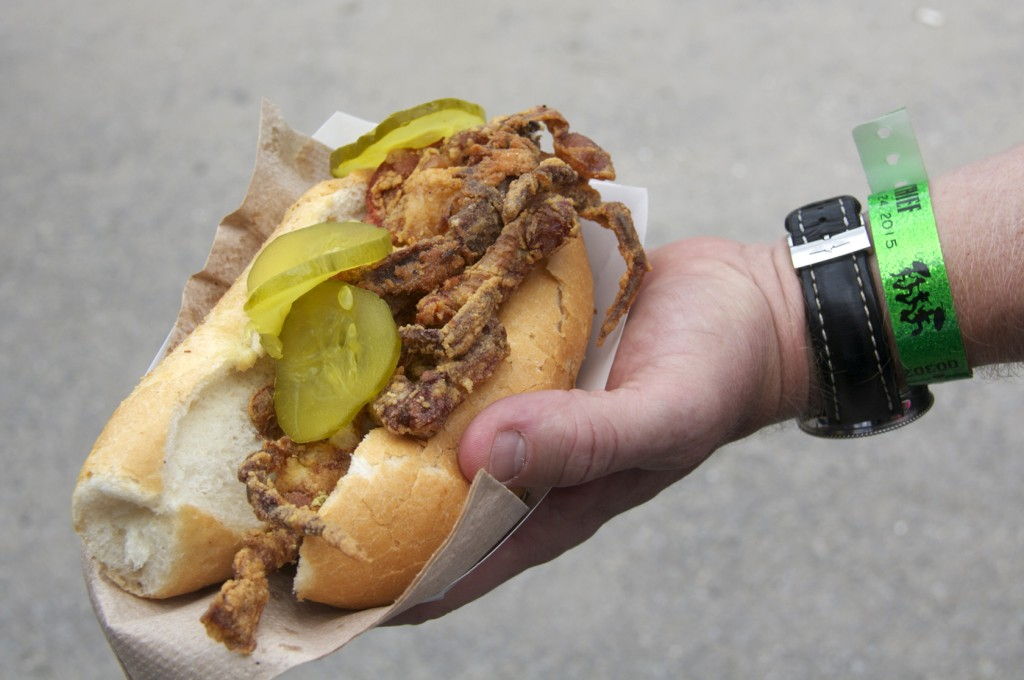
(913, 273)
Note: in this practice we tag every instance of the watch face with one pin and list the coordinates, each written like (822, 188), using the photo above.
(915, 402)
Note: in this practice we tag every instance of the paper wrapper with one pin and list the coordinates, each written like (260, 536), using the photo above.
(163, 638)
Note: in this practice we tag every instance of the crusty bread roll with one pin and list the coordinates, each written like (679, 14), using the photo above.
(158, 504)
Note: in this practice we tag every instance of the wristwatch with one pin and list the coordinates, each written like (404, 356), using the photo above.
(859, 389)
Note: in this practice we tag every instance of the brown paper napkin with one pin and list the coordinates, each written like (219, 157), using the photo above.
(163, 638)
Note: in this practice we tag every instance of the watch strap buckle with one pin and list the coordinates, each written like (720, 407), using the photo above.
(828, 248)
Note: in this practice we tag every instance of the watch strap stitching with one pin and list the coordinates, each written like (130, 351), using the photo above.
(821, 323)
(872, 335)
(855, 367)
(867, 314)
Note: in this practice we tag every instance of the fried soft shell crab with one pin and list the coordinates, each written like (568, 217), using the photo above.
(470, 216)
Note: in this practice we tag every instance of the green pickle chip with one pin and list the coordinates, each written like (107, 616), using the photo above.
(295, 263)
(412, 128)
(340, 347)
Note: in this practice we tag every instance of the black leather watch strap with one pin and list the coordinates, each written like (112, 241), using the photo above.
(857, 380)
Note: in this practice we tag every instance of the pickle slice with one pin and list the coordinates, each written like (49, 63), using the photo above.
(341, 347)
(296, 247)
(296, 262)
(409, 129)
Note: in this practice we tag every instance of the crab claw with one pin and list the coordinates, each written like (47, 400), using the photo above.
(581, 152)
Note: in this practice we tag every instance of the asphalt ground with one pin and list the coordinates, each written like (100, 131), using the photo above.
(129, 130)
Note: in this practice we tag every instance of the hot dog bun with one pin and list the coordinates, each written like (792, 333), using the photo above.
(158, 504)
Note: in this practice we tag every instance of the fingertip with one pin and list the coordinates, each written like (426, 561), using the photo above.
(497, 424)
(549, 438)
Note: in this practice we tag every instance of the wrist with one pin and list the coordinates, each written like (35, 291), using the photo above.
(980, 220)
(791, 388)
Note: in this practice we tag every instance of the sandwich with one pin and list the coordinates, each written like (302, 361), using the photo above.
(313, 417)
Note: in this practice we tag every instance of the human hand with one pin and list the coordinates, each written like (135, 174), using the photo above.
(714, 349)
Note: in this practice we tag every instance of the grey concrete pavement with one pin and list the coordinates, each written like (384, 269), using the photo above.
(129, 129)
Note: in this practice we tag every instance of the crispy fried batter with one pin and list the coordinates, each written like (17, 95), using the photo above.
(285, 483)
(425, 265)
(529, 208)
(262, 414)
(412, 269)
(468, 306)
(461, 331)
(385, 189)
(421, 407)
(424, 203)
(235, 613)
(616, 217)
(531, 236)
(579, 151)
(504, 155)
(472, 216)
(259, 472)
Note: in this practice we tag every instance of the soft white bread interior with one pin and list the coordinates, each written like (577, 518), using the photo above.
(158, 504)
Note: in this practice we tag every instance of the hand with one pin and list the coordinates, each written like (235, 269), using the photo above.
(714, 349)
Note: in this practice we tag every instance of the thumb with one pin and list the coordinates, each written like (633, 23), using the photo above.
(558, 438)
